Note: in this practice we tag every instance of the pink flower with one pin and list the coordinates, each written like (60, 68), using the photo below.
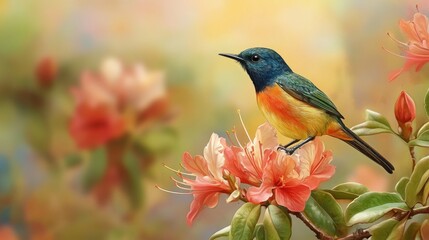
(207, 172)
(417, 48)
(313, 163)
(248, 163)
(289, 179)
(278, 181)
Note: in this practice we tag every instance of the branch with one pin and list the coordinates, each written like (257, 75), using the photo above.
(419, 211)
(358, 235)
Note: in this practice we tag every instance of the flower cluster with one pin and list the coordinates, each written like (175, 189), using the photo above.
(115, 102)
(416, 50)
(255, 172)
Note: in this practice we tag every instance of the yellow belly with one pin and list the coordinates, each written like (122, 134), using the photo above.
(291, 117)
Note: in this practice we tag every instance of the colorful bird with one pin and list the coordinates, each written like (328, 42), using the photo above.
(295, 106)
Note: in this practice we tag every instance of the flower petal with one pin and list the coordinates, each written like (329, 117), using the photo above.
(213, 154)
(293, 197)
(196, 165)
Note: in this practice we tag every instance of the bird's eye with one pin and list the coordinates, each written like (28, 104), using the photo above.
(255, 58)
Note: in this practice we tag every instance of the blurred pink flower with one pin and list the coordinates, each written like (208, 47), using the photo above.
(417, 48)
(91, 127)
(114, 102)
(46, 71)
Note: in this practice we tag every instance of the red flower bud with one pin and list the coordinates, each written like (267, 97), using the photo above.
(405, 109)
(46, 71)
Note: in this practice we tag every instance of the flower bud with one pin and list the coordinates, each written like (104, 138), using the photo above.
(46, 71)
(405, 112)
(405, 109)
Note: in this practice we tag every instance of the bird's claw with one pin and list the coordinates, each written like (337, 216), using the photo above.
(288, 151)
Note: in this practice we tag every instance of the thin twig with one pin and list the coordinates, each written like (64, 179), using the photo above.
(413, 156)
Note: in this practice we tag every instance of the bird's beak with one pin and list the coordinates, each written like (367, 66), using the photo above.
(232, 56)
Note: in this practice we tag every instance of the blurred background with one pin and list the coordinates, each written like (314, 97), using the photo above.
(95, 96)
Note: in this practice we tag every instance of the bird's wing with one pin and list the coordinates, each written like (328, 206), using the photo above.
(304, 90)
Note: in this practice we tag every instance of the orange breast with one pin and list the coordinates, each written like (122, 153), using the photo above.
(291, 117)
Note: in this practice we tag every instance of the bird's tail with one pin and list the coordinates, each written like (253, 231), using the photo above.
(366, 149)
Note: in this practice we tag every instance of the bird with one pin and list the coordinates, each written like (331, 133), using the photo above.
(295, 106)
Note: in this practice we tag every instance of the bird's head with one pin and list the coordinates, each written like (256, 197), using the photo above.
(262, 64)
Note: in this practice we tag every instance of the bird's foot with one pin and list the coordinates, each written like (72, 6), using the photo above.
(288, 151)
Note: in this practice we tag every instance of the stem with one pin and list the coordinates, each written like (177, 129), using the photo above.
(419, 211)
(413, 156)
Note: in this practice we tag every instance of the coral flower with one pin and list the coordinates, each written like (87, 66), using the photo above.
(417, 48)
(289, 179)
(205, 179)
(248, 163)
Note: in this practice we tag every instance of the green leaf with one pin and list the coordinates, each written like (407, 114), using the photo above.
(260, 232)
(375, 123)
(419, 143)
(371, 128)
(224, 232)
(427, 103)
(425, 194)
(96, 167)
(277, 224)
(349, 190)
(423, 129)
(371, 206)
(351, 187)
(341, 195)
(377, 117)
(244, 221)
(133, 185)
(422, 138)
(400, 186)
(419, 177)
(390, 229)
(325, 213)
(412, 231)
